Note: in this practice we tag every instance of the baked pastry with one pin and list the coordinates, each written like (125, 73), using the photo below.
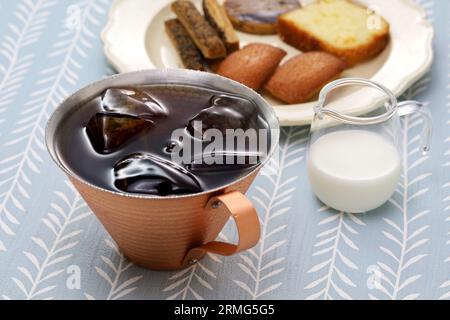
(204, 36)
(258, 16)
(301, 77)
(338, 27)
(218, 19)
(188, 51)
(252, 65)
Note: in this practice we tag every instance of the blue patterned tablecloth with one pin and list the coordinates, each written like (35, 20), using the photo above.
(52, 246)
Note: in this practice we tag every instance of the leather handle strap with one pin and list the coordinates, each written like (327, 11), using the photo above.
(247, 223)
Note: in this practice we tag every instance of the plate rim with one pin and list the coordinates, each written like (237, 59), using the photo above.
(400, 87)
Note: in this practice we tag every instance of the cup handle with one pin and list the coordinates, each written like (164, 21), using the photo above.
(247, 223)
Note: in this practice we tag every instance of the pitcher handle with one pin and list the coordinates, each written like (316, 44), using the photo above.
(406, 108)
(391, 106)
(247, 223)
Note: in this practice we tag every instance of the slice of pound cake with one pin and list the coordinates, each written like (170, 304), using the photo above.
(340, 27)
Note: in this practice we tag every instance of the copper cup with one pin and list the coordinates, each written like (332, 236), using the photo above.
(166, 233)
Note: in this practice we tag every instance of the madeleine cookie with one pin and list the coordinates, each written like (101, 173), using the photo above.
(301, 77)
(252, 65)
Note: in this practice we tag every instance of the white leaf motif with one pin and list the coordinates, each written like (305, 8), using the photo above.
(334, 238)
(274, 200)
(118, 275)
(44, 263)
(28, 132)
(408, 228)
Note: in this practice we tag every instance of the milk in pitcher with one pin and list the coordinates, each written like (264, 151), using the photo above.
(354, 170)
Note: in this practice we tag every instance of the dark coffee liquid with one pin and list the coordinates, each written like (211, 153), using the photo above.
(122, 140)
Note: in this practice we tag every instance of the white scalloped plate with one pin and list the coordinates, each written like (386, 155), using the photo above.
(135, 39)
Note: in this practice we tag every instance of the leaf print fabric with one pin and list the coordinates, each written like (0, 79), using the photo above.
(53, 247)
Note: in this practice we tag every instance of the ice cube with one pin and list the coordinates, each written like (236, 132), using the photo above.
(225, 112)
(125, 114)
(132, 102)
(149, 174)
(108, 133)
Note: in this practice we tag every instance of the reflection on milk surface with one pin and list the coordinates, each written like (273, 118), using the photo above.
(353, 170)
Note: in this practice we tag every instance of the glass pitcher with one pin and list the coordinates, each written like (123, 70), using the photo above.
(355, 163)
